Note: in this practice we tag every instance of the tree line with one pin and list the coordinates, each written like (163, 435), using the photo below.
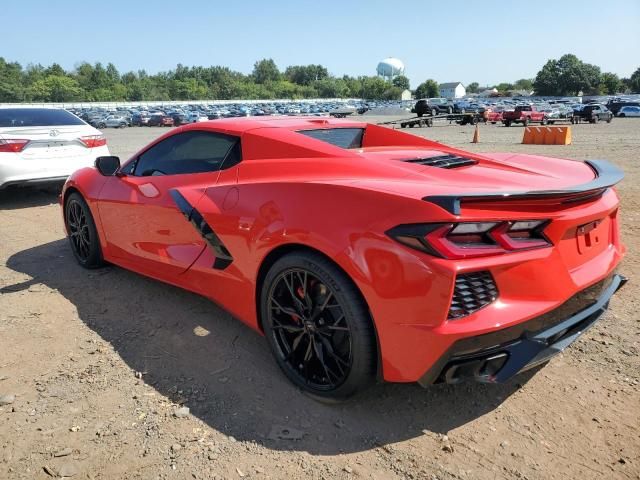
(91, 83)
(567, 75)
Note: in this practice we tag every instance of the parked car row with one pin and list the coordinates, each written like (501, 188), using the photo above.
(191, 113)
(523, 113)
(506, 110)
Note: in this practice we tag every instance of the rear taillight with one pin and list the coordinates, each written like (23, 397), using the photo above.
(13, 145)
(472, 239)
(93, 141)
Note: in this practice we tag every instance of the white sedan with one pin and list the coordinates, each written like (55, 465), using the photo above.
(629, 111)
(42, 145)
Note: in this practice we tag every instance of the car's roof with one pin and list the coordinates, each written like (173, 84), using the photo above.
(238, 126)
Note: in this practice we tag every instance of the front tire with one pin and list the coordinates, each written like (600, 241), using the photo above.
(318, 327)
(82, 233)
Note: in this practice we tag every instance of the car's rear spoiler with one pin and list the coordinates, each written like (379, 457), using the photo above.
(607, 175)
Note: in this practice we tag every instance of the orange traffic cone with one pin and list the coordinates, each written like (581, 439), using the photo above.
(476, 135)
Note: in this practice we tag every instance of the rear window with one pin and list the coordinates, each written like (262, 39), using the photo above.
(37, 117)
(339, 137)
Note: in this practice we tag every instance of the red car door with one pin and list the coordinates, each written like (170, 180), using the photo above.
(145, 211)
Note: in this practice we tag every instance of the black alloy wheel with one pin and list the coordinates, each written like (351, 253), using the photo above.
(318, 328)
(82, 232)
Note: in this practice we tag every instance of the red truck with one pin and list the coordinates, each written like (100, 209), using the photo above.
(524, 114)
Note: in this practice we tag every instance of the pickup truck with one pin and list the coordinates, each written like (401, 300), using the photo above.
(524, 114)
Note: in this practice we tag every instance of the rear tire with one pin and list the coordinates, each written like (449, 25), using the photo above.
(318, 327)
(82, 233)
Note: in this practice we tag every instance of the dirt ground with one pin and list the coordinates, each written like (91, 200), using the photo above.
(95, 365)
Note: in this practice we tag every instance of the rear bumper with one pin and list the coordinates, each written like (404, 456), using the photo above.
(34, 181)
(16, 170)
(498, 356)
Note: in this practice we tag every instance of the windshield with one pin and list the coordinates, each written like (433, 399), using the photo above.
(36, 117)
(340, 137)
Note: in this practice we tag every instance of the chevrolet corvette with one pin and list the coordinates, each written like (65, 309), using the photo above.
(360, 252)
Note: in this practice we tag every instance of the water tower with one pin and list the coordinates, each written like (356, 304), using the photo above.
(390, 68)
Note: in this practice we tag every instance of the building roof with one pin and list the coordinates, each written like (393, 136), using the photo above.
(450, 85)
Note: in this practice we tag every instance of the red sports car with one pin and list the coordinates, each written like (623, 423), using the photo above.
(362, 252)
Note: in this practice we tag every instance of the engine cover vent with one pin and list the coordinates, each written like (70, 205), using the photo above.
(444, 161)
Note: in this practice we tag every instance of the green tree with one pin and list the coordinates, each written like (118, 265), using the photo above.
(610, 83)
(401, 82)
(265, 70)
(504, 87)
(373, 88)
(55, 88)
(473, 87)
(634, 81)
(305, 74)
(55, 69)
(392, 93)
(523, 84)
(112, 74)
(428, 89)
(567, 76)
(11, 82)
(331, 88)
(547, 81)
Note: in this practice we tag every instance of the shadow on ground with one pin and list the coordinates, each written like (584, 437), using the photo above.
(15, 197)
(190, 350)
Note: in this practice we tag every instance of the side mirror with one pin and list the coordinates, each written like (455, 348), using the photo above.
(108, 165)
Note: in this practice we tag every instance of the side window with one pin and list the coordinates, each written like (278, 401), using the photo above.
(194, 151)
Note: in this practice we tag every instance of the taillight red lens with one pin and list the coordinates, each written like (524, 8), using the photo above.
(472, 239)
(520, 235)
(93, 141)
(13, 145)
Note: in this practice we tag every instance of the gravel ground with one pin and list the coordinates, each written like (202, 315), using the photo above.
(97, 367)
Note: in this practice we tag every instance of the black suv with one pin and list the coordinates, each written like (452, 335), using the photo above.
(432, 106)
(593, 113)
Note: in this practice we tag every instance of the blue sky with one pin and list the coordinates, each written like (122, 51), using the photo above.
(435, 39)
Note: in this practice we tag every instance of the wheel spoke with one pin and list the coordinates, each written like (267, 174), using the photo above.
(317, 346)
(288, 328)
(294, 345)
(303, 282)
(288, 311)
(327, 345)
(296, 301)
